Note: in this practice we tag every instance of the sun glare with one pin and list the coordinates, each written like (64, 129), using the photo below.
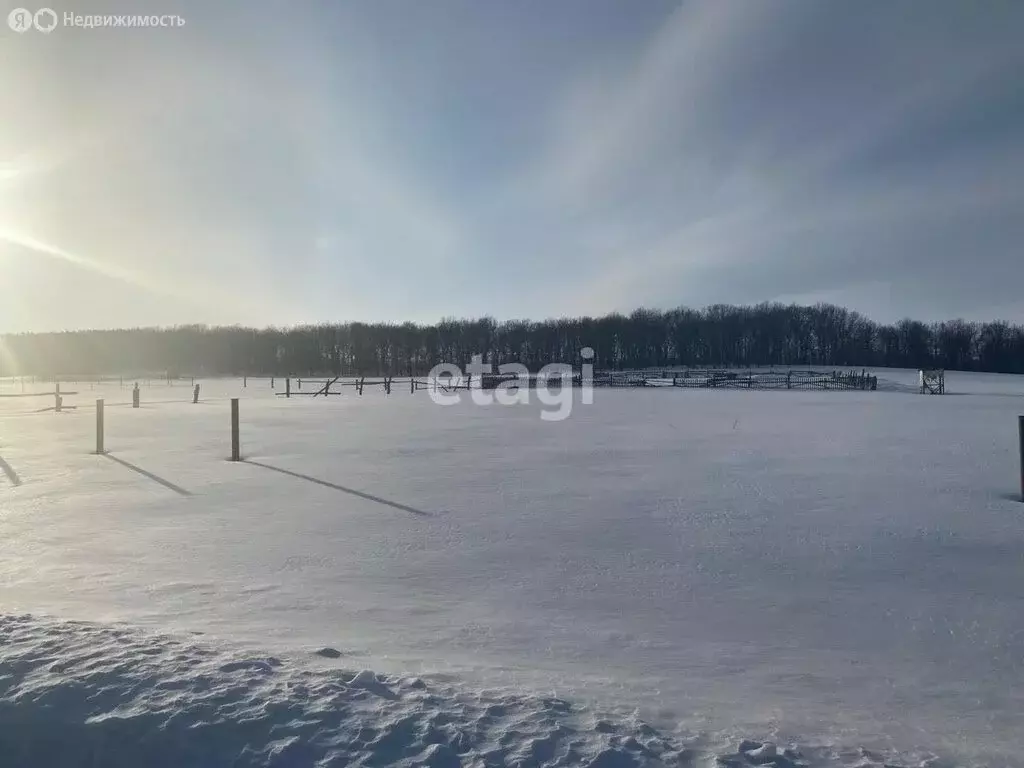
(8, 172)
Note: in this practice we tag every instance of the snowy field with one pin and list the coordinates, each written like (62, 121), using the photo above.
(651, 581)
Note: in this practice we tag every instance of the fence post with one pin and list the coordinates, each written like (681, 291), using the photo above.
(99, 428)
(1020, 429)
(136, 396)
(236, 452)
(195, 395)
(288, 387)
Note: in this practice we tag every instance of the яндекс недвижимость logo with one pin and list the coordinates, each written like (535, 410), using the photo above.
(22, 20)
(46, 20)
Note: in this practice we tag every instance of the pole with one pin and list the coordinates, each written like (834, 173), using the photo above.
(99, 428)
(1020, 429)
(195, 395)
(236, 453)
(288, 387)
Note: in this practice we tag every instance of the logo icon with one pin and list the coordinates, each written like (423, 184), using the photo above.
(45, 20)
(20, 20)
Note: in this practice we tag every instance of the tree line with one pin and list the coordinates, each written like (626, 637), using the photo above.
(823, 335)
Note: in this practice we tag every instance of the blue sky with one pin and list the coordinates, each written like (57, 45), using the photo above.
(279, 163)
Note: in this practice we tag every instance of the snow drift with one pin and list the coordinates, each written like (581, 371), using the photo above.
(81, 694)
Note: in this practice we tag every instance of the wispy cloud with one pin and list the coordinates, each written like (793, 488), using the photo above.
(723, 150)
(470, 158)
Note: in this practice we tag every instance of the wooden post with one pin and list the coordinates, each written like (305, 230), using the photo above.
(99, 428)
(236, 451)
(271, 382)
(1020, 429)
(57, 402)
(245, 381)
(412, 385)
(300, 385)
(288, 387)
(195, 395)
(136, 396)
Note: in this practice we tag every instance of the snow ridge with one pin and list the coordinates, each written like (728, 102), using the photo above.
(82, 694)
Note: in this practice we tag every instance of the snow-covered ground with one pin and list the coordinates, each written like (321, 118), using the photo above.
(654, 579)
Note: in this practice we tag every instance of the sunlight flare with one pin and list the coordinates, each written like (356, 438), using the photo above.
(29, 243)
